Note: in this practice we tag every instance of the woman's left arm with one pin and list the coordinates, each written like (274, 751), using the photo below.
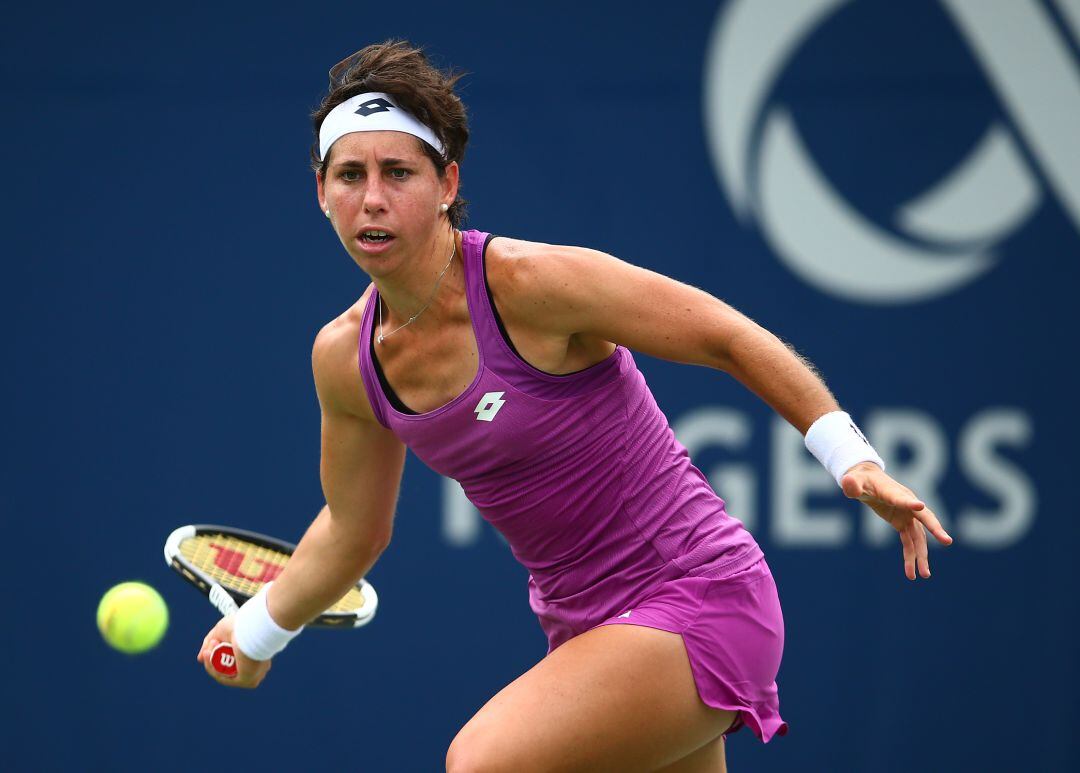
(574, 291)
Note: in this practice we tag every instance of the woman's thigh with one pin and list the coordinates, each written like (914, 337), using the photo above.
(618, 697)
(710, 758)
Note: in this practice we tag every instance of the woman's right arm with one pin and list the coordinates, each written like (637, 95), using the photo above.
(360, 469)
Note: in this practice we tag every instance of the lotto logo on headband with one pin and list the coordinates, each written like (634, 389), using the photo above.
(378, 105)
(371, 112)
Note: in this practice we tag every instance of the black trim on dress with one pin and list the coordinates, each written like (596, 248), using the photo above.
(388, 390)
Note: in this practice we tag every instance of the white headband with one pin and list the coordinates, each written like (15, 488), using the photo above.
(371, 112)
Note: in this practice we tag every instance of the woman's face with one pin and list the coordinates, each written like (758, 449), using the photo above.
(383, 181)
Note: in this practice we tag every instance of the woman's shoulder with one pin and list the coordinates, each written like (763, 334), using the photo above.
(509, 249)
(334, 361)
(343, 331)
(526, 276)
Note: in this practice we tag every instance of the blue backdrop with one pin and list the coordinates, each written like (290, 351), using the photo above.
(894, 188)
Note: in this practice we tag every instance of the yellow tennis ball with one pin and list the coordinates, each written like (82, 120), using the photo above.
(132, 617)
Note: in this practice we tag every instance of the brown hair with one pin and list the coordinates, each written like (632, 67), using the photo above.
(398, 68)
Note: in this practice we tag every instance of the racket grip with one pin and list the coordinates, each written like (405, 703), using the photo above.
(221, 599)
(223, 659)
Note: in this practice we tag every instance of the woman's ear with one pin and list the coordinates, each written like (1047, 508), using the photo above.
(320, 191)
(450, 182)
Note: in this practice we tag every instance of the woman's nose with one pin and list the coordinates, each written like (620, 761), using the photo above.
(374, 196)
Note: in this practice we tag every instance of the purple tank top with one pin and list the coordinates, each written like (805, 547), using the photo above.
(581, 473)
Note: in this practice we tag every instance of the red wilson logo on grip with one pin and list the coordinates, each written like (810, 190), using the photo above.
(238, 565)
(223, 659)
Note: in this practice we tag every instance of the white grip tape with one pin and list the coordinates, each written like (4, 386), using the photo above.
(839, 445)
(221, 599)
(256, 633)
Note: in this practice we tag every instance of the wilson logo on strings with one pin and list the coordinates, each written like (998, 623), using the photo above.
(245, 567)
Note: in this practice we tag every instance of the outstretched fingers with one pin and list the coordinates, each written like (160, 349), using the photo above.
(926, 517)
(922, 555)
(898, 505)
(909, 554)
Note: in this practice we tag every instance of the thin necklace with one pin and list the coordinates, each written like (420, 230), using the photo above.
(381, 337)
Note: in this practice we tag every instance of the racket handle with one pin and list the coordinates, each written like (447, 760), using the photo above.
(221, 599)
(223, 659)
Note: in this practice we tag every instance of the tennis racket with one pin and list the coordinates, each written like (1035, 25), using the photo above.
(231, 565)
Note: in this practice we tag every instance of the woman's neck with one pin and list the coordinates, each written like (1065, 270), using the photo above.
(419, 289)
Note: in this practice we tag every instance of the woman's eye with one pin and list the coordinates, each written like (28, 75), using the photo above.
(399, 174)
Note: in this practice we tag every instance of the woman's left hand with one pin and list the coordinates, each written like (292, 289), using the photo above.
(901, 509)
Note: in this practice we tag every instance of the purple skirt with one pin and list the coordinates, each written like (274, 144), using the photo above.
(733, 630)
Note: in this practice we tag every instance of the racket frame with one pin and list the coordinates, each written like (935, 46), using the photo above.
(227, 600)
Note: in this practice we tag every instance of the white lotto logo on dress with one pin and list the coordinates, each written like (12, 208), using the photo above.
(943, 238)
(489, 405)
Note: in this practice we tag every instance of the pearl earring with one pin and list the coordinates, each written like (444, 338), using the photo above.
(328, 213)
(444, 207)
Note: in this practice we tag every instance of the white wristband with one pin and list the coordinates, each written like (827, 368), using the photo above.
(256, 633)
(839, 445)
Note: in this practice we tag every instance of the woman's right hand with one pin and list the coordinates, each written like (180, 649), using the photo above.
(249, 673)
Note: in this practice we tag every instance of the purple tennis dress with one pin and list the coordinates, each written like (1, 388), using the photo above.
(598, 500)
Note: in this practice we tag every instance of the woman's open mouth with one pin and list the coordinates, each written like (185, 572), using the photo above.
(374, 240)
(375, 237)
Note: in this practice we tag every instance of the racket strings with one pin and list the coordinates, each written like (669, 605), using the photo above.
(237, 564)
(245, 567)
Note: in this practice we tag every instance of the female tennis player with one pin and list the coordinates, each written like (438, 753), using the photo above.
(506, 365)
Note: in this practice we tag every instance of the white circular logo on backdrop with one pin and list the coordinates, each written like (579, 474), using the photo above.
(944, 238)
